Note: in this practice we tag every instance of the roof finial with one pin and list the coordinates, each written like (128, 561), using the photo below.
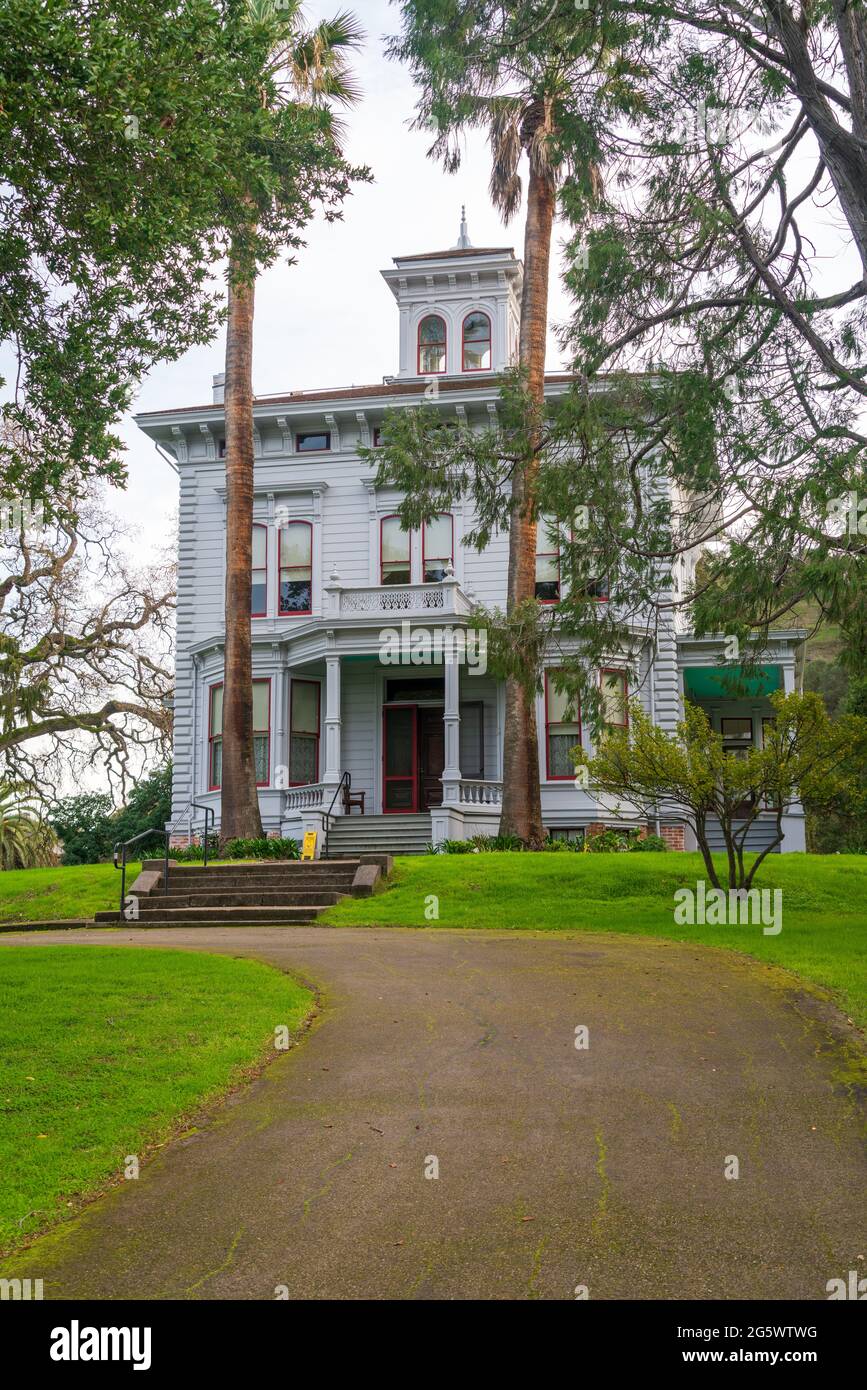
(464, 239)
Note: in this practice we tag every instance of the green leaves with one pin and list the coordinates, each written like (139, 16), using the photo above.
(131, 138)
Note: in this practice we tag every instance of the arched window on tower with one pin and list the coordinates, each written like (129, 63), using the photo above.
(431, 346)
(477, 343)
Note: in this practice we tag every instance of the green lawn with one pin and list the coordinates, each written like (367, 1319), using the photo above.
(50, 895)
(104, 1052)
(824, 905)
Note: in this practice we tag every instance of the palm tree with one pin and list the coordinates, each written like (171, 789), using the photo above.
(541, 88)
(26, 841)
(307, 68)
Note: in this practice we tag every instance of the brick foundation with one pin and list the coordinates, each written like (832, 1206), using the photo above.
(673, 835)
(181, 841)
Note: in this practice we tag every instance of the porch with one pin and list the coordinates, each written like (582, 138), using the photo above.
(737, 703)
(398, 752)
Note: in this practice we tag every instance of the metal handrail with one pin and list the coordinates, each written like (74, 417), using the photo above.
(124, 845)
(196, 806)
(326, 815)
(166, 834)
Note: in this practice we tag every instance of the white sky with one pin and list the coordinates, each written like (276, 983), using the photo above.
(329, 320)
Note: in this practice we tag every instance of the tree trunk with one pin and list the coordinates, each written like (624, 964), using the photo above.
(522, 802)
(704, 847)
(240, 801)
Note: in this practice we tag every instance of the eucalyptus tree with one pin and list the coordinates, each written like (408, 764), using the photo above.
(544, 87)
(300, 76)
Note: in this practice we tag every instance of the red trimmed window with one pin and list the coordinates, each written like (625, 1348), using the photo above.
(394, 561)
(431, 346)
(261, 734)
(438, 547)
(562, 731)
(547, 561)
(296, 568)
(215, 737)
(614, 687)
(476, 343)
(259, 601)
(304, 733)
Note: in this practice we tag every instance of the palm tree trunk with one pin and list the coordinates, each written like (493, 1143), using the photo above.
(240, 801)
(522, 800)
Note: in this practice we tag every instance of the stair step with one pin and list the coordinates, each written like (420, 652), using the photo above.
(242, 870)
(303, 897)
(328, 877)
(217, 916)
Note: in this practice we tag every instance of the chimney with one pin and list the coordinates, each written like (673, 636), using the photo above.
(219, 388)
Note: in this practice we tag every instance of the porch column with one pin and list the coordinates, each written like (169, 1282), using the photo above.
(452, 729)
(331, 775)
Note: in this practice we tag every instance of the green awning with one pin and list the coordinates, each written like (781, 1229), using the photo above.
(730, 683)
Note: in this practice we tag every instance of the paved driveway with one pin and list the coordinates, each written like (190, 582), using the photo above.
(558, 1167)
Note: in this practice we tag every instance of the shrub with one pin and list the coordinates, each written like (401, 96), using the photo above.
(492, 843)
(261, 848)
(606, 841)
(562, 846)
(652, 844)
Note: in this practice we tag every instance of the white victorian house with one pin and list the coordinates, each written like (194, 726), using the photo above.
(334, 571)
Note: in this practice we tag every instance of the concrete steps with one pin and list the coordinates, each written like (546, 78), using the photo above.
(236, 894)
(354, 835)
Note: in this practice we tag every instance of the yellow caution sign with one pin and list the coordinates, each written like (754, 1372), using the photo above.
(308, 849)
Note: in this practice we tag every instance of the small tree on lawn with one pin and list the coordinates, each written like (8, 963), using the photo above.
(805, 755)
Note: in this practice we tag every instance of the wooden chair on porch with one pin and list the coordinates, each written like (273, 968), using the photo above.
(351, 798)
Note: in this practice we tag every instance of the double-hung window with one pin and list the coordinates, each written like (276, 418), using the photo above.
(562, 730)
(437, 547)
(614, 689)
(261, 734)
(547, 560)
(259, 597)
(304, 733)
(394, 561)
(296, 567)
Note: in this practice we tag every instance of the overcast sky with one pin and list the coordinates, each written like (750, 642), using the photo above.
(329, 320)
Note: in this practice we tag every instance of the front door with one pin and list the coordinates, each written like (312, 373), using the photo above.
(399, 759)
(413, 757)
(431, 758)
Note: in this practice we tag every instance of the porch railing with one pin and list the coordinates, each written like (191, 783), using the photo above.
(309, 798)
(473, 793)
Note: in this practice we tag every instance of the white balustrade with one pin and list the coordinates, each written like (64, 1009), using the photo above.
(305, 798)
(384, 599)
(480, 793)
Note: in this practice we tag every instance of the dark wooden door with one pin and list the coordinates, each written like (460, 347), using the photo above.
(431, 758)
